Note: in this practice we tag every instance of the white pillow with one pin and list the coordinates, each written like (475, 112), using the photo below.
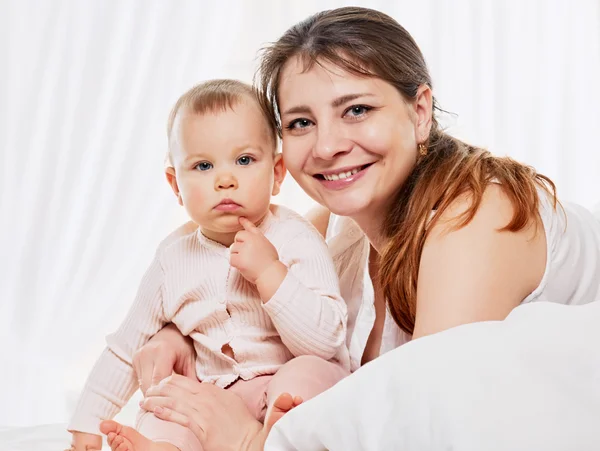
(531, 382)
(596, 211)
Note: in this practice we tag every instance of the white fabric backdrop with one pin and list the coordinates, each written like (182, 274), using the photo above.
(85, 90)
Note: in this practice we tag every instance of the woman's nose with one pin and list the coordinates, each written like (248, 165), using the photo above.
(330, 144)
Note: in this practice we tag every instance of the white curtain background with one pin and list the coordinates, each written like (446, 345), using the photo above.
(85, 91)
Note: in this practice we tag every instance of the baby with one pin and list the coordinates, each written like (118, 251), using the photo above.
(251, 283)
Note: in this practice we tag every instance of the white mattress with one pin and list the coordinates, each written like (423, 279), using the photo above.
(50, 437)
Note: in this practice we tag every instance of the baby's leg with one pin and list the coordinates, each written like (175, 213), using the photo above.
(152, 434)
(299, 380)
(254, 394)
(165, 432)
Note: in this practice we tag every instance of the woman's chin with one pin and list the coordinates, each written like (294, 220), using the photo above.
(352, 206)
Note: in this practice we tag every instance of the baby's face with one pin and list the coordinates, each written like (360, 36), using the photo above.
(225, 167)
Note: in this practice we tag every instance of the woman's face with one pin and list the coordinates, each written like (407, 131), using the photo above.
(349, 141)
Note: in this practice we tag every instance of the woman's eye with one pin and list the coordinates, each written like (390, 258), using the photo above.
(299, 124)
(245, 160)
(357, 110)
(204, 166)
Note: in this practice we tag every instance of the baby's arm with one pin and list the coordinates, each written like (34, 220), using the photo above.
(112, 381)
(298, 286)
(307, 308)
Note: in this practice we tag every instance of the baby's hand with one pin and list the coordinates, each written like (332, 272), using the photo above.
(83, 441)
(252, 253)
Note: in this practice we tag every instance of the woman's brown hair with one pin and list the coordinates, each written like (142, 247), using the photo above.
(370, 43)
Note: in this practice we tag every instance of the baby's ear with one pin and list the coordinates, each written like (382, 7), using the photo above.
(172, 180)
(279, 172)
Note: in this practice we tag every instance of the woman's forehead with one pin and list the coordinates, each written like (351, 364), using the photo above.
(300, 65)
(323, 81)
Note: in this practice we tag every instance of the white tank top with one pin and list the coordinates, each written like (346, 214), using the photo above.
(572, 274)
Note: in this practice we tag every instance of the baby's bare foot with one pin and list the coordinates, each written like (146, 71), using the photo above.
(124, 438)
(282, 405)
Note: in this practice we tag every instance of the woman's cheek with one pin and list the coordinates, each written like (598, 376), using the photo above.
(373, 138)
(291, 161)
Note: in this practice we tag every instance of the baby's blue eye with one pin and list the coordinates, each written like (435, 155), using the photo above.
(245, 160)
(204, 166)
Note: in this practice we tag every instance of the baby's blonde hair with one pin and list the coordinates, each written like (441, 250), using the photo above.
(216, 96)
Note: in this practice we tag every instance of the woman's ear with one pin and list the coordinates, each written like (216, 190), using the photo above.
(424, 113)
(172, 180)
(279, 173)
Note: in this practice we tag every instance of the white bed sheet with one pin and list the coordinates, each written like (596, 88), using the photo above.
(54, 437)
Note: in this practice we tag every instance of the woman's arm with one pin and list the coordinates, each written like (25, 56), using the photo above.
(477, 272)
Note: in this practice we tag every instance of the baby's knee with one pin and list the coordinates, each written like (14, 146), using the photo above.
(305, 376)
(307, 361)
(316, 367)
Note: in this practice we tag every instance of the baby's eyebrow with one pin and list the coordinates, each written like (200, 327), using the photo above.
(243, 148)
(196, 156)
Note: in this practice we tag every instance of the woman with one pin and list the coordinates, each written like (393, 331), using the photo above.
(443, 232)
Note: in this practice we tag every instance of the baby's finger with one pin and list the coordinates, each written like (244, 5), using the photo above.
(235, 248)
(241, 236)
(247, 225)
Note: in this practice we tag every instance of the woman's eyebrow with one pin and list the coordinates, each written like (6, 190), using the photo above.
(348, 98)
(300, 109)
(305, 109)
